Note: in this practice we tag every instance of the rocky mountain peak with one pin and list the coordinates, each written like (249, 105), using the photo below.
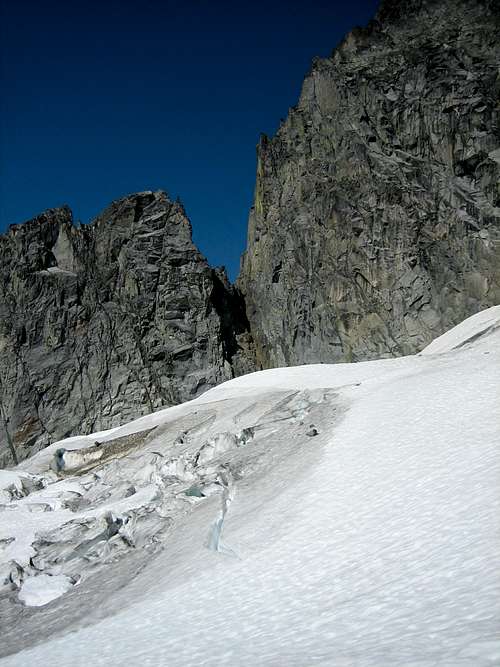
(107, 321)
(376, 217)
(32, 243)
(375, 227)
(134, 207)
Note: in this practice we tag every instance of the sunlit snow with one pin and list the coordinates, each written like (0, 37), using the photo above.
(42, 589)
(344, 515)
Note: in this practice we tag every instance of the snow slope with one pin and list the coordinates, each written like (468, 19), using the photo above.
(320, 515)
(480, 324)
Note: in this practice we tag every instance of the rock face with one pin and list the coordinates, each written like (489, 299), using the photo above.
(375, 227)
(376, 219)
(105, 322)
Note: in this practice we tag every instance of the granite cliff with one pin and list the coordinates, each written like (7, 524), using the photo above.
(375, 228)
(104, 322)
(376, 219)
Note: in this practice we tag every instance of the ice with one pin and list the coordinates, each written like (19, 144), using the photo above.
(39, 591)
(14, 484)
(375, 542)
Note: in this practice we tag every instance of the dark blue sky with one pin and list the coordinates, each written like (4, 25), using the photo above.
(103, 99)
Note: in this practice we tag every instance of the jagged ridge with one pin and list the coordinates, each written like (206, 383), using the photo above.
(108, 321)
(375, 227)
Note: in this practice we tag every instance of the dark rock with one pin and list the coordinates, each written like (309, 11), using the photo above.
(376, 218)
(375, 228)
(102, 323)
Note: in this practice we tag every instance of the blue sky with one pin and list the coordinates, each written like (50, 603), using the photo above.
(103, 99)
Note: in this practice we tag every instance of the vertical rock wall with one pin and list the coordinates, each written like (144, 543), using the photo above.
(376, 219)
(375, 227)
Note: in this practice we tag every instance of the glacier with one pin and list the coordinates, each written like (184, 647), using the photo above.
(220, 532)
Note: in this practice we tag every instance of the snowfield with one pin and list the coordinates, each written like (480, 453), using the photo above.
(343, 515)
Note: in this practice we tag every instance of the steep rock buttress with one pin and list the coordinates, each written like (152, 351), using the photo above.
(104, 322)
(376, 219)
(375, 228)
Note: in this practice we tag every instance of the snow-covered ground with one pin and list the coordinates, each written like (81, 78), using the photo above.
(344, 515)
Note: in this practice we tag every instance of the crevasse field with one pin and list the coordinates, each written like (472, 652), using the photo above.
(344, 515)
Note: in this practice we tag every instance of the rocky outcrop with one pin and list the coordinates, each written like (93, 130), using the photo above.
(104, 322)
(376, 219)
(375, 228)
